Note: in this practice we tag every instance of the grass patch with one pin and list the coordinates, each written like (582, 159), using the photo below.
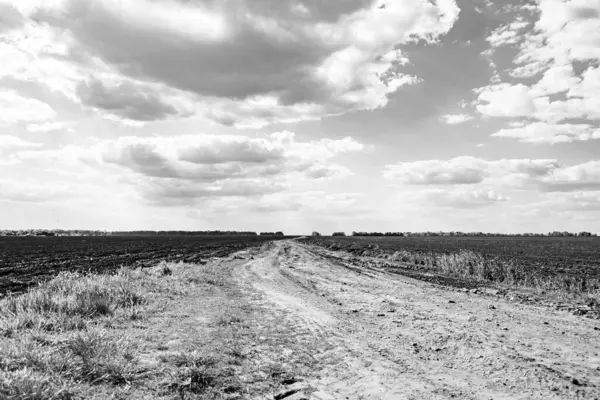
(74, 336)
(472, 265)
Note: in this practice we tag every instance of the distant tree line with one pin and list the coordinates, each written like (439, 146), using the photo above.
(51, 232)
(82, 232)
(182, 233)
(471, 234)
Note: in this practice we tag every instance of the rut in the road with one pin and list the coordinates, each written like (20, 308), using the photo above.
(360, 333)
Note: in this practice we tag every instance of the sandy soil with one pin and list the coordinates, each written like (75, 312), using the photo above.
(354, 333)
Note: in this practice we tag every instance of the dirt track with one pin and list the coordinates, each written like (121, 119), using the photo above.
(354, 333)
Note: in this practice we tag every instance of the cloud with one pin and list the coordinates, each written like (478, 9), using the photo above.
(505, 100)
(198, 166)
(251, 64)
(47, 126)
(545, 175)
(582, 177)
(509, 34)
(541, 132)
(128, 100)
(457, 171)
(172, 192)
(32, 192)
(10, 144)
(460, 198)
(554, 78)
(315, 202)
(16, 108)
(455, 119)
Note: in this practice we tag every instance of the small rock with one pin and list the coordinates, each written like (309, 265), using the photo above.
(474, 291)
(504, 329)
(464, 289)
(298, 396)
(451, 301)
(355, 310)
(575, 381)
(492, 307)
(596, 328)
(381, 315)
(546, 323)
(290, 390)
(472, 318)
(290, 381)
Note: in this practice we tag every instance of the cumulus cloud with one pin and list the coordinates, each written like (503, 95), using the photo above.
(541, 132)
(509, 34)
(10, 144)
(546, 175)
(505, 100)
(460, 170)
(254, 63)
(581, 177)
(199, 166)
(128, 100)
(47, 126)
(558, 56)
(460, 198)
(455, 119)
(16, 108)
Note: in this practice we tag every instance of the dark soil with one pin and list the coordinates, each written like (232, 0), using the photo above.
(26, 261)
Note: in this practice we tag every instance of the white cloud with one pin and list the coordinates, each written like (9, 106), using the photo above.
(545, 175)
(47, 126)
(559, 56)
(581, 177)
(12, 143)
(198, 166)
(32, 191)
(455, 119)
(461, 198)
(16, 108)
(460, 170)
(505, 100)
(541, 132)
(249, 65)
(130, 100)
(509, 34)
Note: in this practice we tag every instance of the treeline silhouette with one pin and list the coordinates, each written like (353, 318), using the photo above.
(83, 232)
(471, 234)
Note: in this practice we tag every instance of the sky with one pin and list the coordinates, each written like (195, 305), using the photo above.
(300, 115)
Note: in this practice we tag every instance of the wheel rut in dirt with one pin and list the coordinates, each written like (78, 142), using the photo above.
(363, 333)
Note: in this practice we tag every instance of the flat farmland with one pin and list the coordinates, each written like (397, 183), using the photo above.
(560, 265)
(552, 255)
(25, 261)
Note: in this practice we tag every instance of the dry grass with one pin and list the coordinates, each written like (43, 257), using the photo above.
(75, 337)
(471, 265)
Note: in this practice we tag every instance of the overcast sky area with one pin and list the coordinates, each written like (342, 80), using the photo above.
(300, 115)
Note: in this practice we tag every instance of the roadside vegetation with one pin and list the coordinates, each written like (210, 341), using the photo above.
(89, 336)
(562, 269)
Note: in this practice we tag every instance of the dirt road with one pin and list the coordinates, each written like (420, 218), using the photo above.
(353, 333)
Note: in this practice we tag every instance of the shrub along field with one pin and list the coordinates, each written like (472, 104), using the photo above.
(570, 265)
(25, 261)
